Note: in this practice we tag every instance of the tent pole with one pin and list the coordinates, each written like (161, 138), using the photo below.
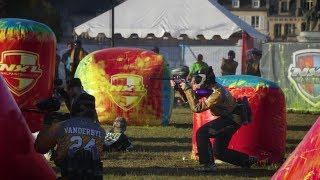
(112, 24)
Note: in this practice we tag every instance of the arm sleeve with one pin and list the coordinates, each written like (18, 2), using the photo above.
(47, 138)
(223, 65)
(201, 106)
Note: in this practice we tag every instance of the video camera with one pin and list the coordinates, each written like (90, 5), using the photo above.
(49, 108)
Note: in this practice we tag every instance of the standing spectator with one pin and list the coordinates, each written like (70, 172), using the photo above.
(198, 67)
(77, 54)
(229, 66)
(156, 50)
(66, 56)
(253, 63)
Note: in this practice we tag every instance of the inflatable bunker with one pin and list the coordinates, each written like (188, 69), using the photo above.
(28, 51)
(304, 162)
(265, 136)
(127, 82)
(18, 159)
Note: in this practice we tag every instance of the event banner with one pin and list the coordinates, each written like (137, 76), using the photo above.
(296, 68)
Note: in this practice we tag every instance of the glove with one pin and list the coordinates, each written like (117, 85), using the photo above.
(185, 86)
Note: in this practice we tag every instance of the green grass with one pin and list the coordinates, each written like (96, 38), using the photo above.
(159, 152)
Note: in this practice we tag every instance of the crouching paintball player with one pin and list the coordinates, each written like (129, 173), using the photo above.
(79, 141)
(221, 103)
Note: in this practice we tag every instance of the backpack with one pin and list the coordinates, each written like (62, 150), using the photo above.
(244, 110)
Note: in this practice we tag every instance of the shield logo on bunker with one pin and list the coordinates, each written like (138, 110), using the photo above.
(127, 90)
(304, 74)
(20, 69)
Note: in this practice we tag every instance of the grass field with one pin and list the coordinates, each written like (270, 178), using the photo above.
(159, 152)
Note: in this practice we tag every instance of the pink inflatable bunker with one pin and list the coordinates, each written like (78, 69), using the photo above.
(304, 162)
(18, 159)
(265, 136)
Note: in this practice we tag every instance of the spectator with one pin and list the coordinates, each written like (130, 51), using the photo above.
(77, 54)
(229, 66)
(198, 67)
(60, 71)
(156, 50)
(66, 56)
(253, 63)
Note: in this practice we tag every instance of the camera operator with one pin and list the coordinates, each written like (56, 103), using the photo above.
(79, 141)
(221, 103)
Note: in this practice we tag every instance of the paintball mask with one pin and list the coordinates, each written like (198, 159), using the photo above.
(201, 81)
(119, 125)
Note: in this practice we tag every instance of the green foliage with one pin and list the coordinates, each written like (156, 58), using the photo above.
(37, 10)
(312, 16)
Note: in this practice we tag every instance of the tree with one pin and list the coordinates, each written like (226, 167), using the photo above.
(37, 10)
(312, 16)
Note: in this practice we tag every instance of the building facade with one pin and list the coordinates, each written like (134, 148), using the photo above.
(254, 12)
(286, 18)
(281, 20)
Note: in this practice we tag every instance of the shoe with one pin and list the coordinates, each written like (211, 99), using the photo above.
(251, 161)
(207, 168)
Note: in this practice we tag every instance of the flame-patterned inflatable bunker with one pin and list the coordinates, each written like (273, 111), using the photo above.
(18, 159)
(27, 63)
(119, 78)
(265, 136)
(304, 162)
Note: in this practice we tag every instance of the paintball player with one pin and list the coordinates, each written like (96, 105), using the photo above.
(222, 104)
(116, 140)
(229, 66)
(79, 141)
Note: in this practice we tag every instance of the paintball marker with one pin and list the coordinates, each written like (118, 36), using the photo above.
(49, 108)
(178, 76)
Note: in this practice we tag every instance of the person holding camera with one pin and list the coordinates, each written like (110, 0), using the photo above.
(79, 141)
(221, 103)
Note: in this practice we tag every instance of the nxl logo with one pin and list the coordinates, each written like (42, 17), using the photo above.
(304, 74)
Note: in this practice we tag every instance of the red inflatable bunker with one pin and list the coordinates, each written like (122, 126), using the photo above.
(27, 63)
(304, 162)
(265, 136)
(18, 159)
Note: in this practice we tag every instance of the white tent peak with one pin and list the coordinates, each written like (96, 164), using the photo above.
(177, 17)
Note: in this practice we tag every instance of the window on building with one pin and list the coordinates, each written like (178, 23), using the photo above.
(284, 6)
(277, 30)
(289, 29)
(236, 3)
(310, 4)
(256, 3)
(255, 21)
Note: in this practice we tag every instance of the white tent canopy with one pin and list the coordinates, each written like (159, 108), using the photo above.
(177, 17)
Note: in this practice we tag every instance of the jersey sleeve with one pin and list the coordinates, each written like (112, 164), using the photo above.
(201, 106)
